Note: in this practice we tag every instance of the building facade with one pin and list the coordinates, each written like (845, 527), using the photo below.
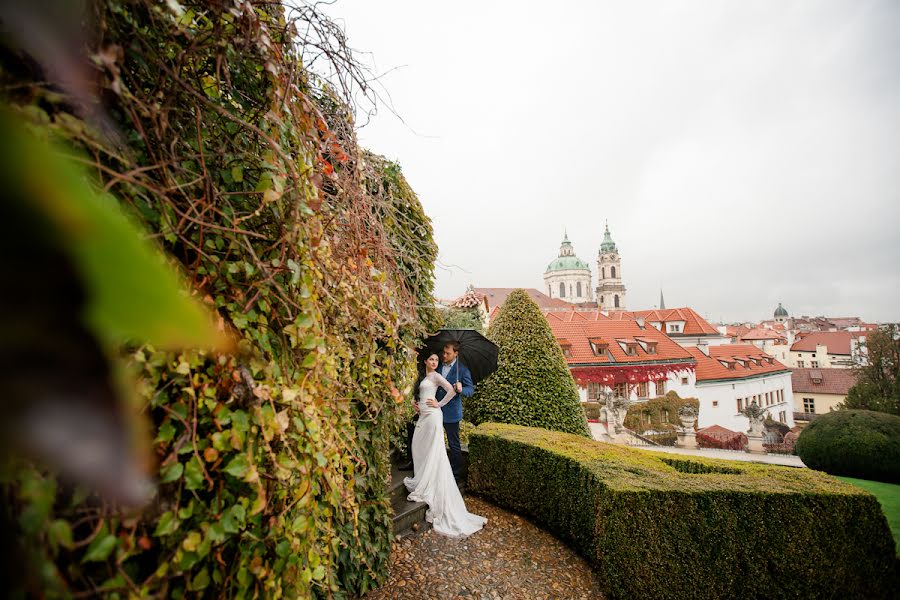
(732, 376)
(624, 357)
(610, 289)
(568, 277)
(819, 391)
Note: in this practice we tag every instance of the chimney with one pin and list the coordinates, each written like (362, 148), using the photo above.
(703, 347)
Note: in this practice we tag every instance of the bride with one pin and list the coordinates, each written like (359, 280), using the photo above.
(433, 481)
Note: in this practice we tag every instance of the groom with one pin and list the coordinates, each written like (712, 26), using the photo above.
(460, 378)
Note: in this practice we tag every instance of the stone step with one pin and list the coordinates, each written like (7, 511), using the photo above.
(409, 517)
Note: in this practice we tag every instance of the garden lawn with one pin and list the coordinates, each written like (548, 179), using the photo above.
(888, 495)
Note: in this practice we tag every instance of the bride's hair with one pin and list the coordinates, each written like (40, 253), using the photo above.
(422, 372)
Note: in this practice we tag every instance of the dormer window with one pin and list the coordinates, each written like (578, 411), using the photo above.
(651, 348)
(598, 346)
(566, 346)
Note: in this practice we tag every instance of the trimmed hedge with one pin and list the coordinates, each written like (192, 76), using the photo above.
(532, 384)
(853, 443)
(660, 526)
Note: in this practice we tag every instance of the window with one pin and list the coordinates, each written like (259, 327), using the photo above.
(642, 391)
(782, 416)
(651, 347)
(800, 364)
(813, 354)
(621, 389)
(809, 405)
(613, 271)
(631, 349)
(616, 298)
(567, 351)
(661, 387)
(601, 301)
(684, 381)
(715, 403)
(562, 290)
(578, 290)
(814, 364)
(740, 404)
(593, 391)
(603, 273)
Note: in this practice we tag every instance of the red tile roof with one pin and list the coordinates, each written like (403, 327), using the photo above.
(578, 327)
(761, 333)
(837, 342)
(823, 381)
(497, 296)
(710, 368)
(694, 324)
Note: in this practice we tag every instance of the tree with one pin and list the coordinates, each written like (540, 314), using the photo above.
(532, 385)
(878, 382)
(462, 318)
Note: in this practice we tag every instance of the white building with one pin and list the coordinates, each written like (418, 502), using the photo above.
(610, 289)
(568, 277)
(732, 376)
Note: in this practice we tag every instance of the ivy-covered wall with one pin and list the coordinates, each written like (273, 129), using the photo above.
(317, 256)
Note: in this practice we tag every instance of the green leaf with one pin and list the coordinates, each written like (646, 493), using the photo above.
(133, 293)
(168, 524)
(100, 549)
(193, 474)
(238, 466)
(200, 581)
(171, 472)
(233, 518)
(59, 533)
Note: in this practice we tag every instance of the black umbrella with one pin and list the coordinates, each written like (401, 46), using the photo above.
(477, 352)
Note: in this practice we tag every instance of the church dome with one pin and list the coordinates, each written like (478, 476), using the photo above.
(780, 311)
(567, 261)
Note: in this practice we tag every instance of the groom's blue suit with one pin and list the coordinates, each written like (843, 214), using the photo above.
(453, 411)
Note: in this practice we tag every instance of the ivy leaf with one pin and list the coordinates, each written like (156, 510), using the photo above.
(200, 581)
(100, 549)
(171, 472)
(233, 519)
(133, 292)
(193, 474)
(167, 525)
(238, 466)
(59, 533)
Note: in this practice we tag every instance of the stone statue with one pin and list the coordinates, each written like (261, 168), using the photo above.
(757, 416)
(687, 414)
(686, 438)
(616, 409)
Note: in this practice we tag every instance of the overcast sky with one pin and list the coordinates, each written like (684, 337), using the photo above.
(744, 153)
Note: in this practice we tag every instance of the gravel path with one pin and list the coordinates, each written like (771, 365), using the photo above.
(509, 559)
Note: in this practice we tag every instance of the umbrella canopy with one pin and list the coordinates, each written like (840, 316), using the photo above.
(477, 352)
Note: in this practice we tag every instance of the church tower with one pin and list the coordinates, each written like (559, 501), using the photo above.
(611, 290)
(568, 277)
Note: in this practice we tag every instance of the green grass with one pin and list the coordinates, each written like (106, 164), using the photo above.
(888, 495)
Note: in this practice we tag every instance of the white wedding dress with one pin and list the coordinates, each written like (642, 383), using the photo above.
(433, 481)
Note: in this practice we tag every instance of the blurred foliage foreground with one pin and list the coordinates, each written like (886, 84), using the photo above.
(270, 452)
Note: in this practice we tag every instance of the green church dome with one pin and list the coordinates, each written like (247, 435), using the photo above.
(567, 261)
(780, 311)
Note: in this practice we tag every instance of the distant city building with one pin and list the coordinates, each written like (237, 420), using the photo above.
(781, 315)
(624, 357)
(819, 391)
(568, 277)
(732, 376)
(828, 349)
(610, 289)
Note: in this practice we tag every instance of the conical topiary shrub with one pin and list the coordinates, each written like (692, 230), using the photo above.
(532, 385)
